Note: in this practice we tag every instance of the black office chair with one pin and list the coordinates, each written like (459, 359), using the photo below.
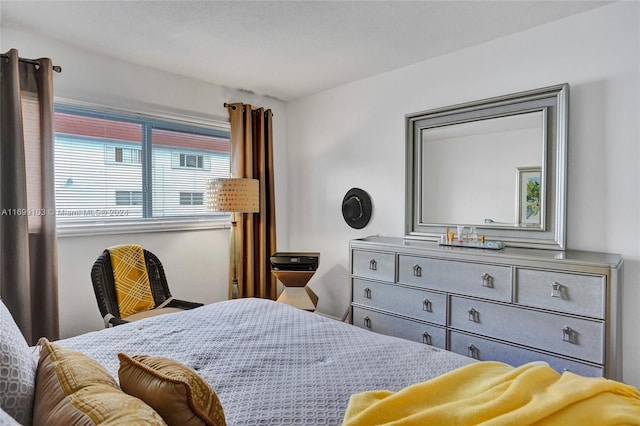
(105, 289)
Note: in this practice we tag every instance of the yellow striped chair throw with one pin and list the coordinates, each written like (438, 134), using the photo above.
(131, 279)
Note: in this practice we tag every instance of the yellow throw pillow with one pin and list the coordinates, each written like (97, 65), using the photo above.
(74, 389)
(174, 390)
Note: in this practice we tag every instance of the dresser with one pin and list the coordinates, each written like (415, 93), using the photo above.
(514, 305)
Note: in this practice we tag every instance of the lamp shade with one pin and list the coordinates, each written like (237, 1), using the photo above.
(234, 195)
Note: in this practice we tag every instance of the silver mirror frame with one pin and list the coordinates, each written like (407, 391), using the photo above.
(554, 102)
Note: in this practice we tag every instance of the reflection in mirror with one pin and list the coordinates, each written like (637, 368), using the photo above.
(497, 164)
(470, 170)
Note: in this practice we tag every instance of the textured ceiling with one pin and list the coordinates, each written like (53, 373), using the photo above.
(279, 48)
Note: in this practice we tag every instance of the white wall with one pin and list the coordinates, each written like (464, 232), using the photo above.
(196, 262)
(354, 136)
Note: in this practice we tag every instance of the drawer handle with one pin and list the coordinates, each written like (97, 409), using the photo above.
(474, 315)
(373, 265)
(417, 271)
(473, 352)
(367, 322)
(426, 338)
(487, 280)
(427, 305)
(367, 293)
(568, 334)
(557, 290)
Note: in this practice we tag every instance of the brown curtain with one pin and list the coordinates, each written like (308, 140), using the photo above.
(252, 157)
(28, 255)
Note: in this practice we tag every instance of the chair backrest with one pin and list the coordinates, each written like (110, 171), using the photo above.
(105, 289)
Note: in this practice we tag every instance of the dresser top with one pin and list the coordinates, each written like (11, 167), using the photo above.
(505, 255)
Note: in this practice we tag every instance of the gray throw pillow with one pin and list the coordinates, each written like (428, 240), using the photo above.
(17, 370)
(7, 420)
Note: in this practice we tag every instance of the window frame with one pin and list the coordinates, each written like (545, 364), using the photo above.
(207, 126)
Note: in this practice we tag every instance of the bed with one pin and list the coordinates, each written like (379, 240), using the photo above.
(272, 364)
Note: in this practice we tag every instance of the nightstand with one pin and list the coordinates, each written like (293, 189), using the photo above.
(296, 292)
(294, 270)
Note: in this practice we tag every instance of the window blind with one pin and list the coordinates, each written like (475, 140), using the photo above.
(116, 167)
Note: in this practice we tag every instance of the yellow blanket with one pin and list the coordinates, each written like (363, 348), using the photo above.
(132, 281)
(491, 394)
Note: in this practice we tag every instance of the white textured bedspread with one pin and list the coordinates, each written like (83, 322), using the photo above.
(272, 364)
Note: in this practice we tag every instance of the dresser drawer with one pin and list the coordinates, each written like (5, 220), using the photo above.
(565, 335)
(474, 279)
(420, 304)
(373, 264)
(394, 326)
(559, 291)
(485, 350)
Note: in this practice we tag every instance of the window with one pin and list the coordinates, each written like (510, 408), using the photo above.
(190, 160)
(124, 155)
(128, 198)
(113, 166)
(191, 198)
(181, 160)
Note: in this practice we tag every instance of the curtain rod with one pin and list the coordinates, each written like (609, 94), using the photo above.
(56, 68)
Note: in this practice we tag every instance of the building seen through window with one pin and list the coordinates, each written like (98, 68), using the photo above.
(113, 167)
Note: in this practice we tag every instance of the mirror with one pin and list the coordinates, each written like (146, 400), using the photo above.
(498, 165)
